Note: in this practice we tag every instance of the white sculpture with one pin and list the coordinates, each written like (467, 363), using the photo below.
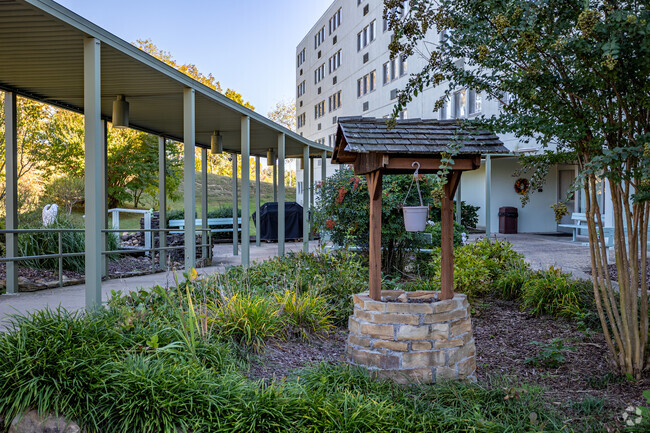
(49, 214)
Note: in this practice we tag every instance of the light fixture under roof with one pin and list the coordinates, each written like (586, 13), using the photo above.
(270, 157)
(120, 112)
(216, 143)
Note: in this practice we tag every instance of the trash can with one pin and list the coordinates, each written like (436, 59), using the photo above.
(267, 229)
(508, 220)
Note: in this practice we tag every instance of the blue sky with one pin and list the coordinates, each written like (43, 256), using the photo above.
(248, 45)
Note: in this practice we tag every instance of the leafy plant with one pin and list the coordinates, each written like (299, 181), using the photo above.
(508, 284)
(304, 314)
(551, 354)
(555, 293)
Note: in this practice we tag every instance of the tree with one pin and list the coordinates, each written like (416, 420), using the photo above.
(572, 73)
(284, 113)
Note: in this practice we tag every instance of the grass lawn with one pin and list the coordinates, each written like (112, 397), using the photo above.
(219, 195)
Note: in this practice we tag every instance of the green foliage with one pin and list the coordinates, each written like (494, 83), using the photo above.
(550, 355)
(555, 293)
(436, 232)
(248, 319)
(508, 285)
(65, 191)
(42, 243)
(304, 314)
(477, 265)
(342, 212)
(468, 216)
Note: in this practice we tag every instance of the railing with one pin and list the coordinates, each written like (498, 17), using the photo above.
(115, 217)
(60, 255)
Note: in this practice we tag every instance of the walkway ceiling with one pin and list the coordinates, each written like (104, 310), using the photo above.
(41, 57)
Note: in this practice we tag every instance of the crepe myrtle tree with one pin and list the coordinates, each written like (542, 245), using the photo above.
(573, 75)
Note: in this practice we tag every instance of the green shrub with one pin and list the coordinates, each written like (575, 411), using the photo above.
(558, 294)
(468, 218)
(509, 284)
(304, 314)
(248, 319)
(436, 234)
(42, 243)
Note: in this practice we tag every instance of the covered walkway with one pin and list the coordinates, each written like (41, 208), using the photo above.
(52, 55)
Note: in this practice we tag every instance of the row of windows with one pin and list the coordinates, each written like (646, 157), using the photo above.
(335, 61)
(301, 89)
(365, 36)
(335, 101)
(319, 37)
(366, 84)
(394, 69)
(463, 103)
(335, 21)
(319, 73)
(302, 118)
(301, 57)
(319, 110)
(393, 15)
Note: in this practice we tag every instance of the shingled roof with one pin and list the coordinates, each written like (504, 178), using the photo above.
(412, 136)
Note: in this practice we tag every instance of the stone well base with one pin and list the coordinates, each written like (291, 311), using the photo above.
(412, 342)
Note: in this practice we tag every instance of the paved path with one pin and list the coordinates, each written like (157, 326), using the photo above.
(73, 297)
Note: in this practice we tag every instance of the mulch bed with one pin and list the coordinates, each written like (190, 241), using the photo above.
(613, 272)
(503, 335)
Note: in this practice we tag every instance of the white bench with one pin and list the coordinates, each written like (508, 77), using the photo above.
(216, 225)
(579, 224)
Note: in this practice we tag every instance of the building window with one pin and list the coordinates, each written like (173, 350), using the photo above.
(301, 120)
(319, 37)
(335, 61)
(460, 104)
(301, 89)
(367, 83)
(332, 140)
(301, 58)
(394, 69)
(335, 101)
(319, 110)
(335, 21)
(319, 73)
(475, 102)
(366, 36)
(445, 110)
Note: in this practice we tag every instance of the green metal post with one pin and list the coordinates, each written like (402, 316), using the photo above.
(93, 172)
(275, 182)
(104, 197)
(235, 212)
(204, 201)
(305, 199)
(162, 201)
(281, 198)
(258, 198)
(323, 174)
(189, 191)
(246, 191)
(11, 186)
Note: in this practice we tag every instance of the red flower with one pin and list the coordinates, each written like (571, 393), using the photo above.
(330, 224)
(342, 192)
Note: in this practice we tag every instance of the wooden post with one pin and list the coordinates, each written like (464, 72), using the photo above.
(447, 237)
(374, 188)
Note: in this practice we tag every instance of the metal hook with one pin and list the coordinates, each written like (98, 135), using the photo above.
(417, 169)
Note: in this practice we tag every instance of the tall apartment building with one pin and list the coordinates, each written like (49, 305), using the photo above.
(343, 68)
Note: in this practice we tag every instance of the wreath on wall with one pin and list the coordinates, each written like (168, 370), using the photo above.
(521, 186)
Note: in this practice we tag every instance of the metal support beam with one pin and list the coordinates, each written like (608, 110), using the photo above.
(258, 184)
(312, 190)
(488, 195)
(104, 196)
(281, 197)
(246, 190)
(323, 173)
(189, 180)
(93, 171)
(305, 200)
(11, 186)
(204, 202)
(162, 200)
(275, 182)
(235, 212)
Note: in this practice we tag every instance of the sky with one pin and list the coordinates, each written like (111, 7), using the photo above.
(248, 45)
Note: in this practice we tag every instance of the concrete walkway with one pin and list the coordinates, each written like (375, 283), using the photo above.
(73, 297)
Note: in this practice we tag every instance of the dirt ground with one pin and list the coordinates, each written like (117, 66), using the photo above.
(504, 336)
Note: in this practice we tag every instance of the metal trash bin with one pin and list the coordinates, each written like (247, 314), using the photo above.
(508, 219)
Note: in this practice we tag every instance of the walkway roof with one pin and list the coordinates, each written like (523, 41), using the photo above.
(41, 57)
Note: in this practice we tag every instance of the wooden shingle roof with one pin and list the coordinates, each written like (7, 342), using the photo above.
(412, 137)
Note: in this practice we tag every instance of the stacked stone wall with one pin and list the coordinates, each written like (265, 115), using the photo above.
(421, 342)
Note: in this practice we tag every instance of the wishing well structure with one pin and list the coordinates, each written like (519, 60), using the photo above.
(415, 336)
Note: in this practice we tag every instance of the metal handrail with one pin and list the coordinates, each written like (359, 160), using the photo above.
(61, 255)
